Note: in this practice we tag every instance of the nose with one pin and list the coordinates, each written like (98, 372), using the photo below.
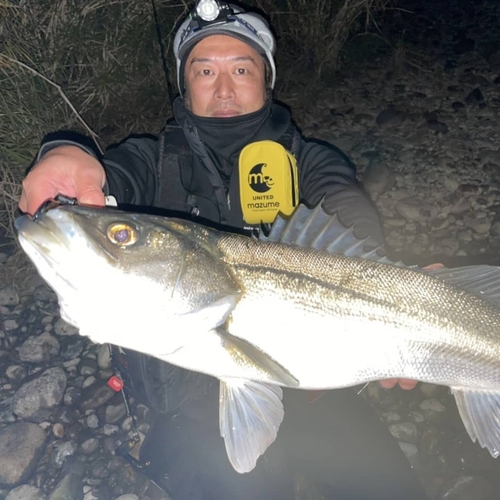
(225, 89)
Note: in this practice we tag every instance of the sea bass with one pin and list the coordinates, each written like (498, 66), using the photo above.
(260, 315)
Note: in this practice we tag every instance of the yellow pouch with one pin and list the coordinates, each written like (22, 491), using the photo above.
(269, 182)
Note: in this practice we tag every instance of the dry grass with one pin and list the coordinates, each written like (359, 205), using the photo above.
(83, 66)
(404, 58)
(10, 191)
(315, 32)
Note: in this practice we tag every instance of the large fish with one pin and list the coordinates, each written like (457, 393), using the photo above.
(263, 314)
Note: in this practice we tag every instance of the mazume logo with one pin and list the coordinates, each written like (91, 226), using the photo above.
(258, 180)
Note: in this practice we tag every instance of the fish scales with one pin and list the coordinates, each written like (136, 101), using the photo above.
(353, 304)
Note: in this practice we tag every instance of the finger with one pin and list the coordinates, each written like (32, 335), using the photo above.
(23, 203)
(434, 266)
(31, 198)
(407, 384)
(388, 383)
(87, 189)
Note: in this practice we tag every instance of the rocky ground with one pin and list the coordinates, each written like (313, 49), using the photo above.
(424, 134)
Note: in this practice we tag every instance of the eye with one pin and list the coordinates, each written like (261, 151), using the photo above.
(122, 234)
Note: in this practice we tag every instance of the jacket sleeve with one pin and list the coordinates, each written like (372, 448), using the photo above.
(326, 173)
(131, 171)
(131, 168)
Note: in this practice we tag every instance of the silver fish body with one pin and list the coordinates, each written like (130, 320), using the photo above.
(260, 315)
(335, 321)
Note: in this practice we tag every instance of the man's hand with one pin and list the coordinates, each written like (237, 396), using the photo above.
(405, 383)
(66, 170)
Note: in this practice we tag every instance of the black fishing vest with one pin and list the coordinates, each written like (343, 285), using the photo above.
(172, 191)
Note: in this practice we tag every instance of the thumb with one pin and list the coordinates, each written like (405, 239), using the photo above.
(91, 196)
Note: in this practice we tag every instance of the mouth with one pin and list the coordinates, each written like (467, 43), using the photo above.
(225, 113)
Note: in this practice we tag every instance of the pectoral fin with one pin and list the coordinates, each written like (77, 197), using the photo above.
(480, 412)
(214, 314)
(254, 361)
(187, 329)
(250, 414)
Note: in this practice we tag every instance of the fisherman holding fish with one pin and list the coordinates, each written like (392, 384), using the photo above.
(233, 157)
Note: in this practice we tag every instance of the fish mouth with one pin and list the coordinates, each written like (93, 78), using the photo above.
(44, 234)
(46, 241)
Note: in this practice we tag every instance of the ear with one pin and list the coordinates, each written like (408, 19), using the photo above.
(268, 74)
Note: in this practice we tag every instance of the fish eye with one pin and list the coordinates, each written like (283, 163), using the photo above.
(122, 234)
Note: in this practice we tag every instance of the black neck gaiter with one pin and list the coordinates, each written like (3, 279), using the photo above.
(224, 138)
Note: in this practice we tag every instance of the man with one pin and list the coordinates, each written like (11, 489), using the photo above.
(203, 165)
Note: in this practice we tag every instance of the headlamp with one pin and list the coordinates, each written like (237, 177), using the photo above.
(208, 10)
(211, 11)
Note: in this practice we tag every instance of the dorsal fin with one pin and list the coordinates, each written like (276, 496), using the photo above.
(482, 281)
(314, 228)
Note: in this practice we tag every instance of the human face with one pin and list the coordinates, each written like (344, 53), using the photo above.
(224, 77)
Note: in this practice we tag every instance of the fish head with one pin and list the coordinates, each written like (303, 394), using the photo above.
(105, 264)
